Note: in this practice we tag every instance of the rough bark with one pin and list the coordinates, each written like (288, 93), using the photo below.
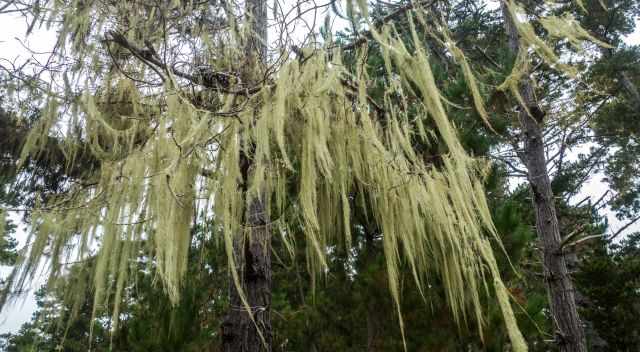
(241, 333)
(569, 331)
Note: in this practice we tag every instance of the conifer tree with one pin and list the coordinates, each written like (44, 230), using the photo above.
(568, 327)
(250, 330)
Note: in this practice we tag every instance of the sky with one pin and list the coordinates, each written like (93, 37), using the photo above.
(13, 48)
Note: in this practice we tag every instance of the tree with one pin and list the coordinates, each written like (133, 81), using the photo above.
(615, 75)
(68, 320)
(250, 329)
(609, 278)
(561, 290)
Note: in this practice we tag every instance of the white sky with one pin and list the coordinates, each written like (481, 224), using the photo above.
(11, 49)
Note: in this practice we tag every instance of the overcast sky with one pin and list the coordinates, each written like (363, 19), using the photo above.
(12, 48)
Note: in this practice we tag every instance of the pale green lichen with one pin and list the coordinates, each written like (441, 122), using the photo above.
(312, 125)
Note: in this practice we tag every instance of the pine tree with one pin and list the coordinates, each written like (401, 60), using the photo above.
(250, 329)
(569, 330)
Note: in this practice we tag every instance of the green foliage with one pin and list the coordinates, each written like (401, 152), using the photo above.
(349, 310)
(609, 277)
(148, 322)
(615, 76)
(8, 254)
(46, 330)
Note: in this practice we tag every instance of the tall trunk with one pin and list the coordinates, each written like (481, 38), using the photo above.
(568, 328)
(239, 332)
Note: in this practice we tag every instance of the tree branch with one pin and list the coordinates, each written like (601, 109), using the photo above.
(626, 226)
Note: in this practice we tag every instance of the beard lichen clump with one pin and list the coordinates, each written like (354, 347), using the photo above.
(317, 130)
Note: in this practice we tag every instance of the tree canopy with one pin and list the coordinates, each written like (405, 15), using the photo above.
(165, 139)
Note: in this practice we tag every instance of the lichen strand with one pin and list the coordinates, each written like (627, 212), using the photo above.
(563, 27)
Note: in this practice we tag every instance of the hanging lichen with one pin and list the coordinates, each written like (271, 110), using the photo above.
(565, 28)
(312, 125)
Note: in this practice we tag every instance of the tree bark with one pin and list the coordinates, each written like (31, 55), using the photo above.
(374, 326)
(241, 333)
(569, 331)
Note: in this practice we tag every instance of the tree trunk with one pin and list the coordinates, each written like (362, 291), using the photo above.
(253, 254)
(374, 326)
(239, 332)
(568, 328)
